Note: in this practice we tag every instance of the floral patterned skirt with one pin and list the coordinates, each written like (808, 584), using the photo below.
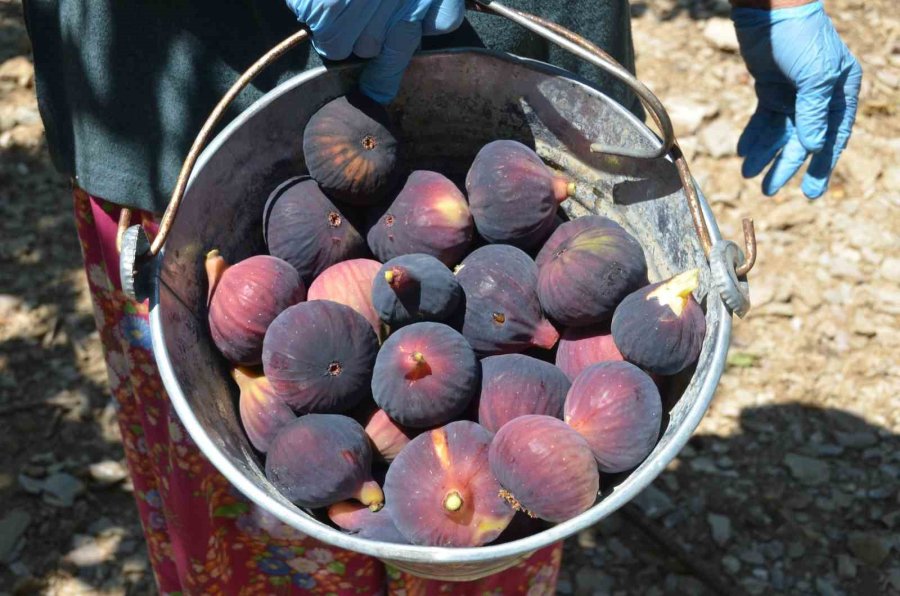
(203, 536)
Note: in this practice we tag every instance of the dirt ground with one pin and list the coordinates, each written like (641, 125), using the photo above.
(790, 484)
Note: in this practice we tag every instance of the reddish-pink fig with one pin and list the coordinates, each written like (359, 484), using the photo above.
(441, 490)
(349, 283)
(661, 327)
(514, 385)
(502, 312)
(244, 299)
(262, 412)
(545, 468)
(318, 356)
(387, 436)
(320, 459)
(616, 407)
(430, 216)
(580, 347)
(357, 519)
(513, 194)
(425, 374)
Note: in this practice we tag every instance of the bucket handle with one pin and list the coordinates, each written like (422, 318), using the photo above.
(137, 248)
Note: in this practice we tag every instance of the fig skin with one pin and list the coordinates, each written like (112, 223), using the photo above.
(514, 385)
(320, 459)
(357, 519)
(349, 283)
(425, 374)
(661, 327)
(566, 230)
(545, 467)
(442, 492)
(318, 356)
(413, 288)
(244, 299)
(616, 407)
(513, 195)
(502, 313)
(262, 412)
(430, 215)
(306, 229)
(580, 347)
(589, 274)
(351, 150)
(387, 436)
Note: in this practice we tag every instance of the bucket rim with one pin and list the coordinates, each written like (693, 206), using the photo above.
(294, 517)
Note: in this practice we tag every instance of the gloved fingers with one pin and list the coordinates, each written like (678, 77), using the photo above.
(786, 165)
(336, 25)
(371, 40)
(841, 119)
(381, 77)
(773, 132)
(443, 16)
(814, 92)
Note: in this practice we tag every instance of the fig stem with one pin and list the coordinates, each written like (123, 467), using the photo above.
(676, 292)
(371, 495)
(419, 357)
(453, 501)
(389, 276)
(215, 266)
(545, 335)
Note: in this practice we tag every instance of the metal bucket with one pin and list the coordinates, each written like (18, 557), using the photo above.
(451, 104)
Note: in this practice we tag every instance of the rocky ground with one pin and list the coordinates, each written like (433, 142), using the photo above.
(790, 484)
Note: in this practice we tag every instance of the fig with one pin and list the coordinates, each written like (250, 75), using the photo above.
(262, 412)
(430, 216)
(318, 356)
(442, 492)
(513, 195)
(566, 230)
(357, 519)
(416, 287)
(244, 299)
(349, 283)
(616, 407)
(545, 468)
(502, 313)
(514, 385)
(584, 279)
(388, 438)
(580, 347)
(351, 151)
(303, 227)
(661, 327)
(425, 374)
(320, 459)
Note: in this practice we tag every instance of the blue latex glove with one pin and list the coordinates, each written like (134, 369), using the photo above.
(387, 31)
(807, 87)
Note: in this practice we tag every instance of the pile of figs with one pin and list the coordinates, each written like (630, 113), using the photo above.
(423, 363)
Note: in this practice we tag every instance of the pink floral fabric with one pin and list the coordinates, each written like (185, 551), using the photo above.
(203, 536)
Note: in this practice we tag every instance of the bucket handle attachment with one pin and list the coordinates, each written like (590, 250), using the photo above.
(134, 240)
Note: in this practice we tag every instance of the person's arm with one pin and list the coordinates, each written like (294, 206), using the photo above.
(807, 85)
(387, 32)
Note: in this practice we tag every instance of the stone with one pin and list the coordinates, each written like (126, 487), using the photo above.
(824, 587)
(846, 566)
(719, 138)
(12, 528)
(30, 485)
(61, 489)
(592, 581)
(9, 304)
(871, 549)
(807, 470)
(653, 502)
(18, 70)
(856, 440)
(752, 557)
(619, 549)
(894, 579)
(91, 551)
(687, 115)
(777, 579)
(890, 269)
(563, 586)
(731, 564)
(108, 472)
(719, 527)
(719, 32)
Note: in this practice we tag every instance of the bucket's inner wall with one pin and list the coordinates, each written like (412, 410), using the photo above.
(451, 104)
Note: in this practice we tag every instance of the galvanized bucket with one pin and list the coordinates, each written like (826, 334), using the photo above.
(451, 104)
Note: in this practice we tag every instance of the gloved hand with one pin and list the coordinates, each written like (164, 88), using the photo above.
(387, 31)
(807, 87)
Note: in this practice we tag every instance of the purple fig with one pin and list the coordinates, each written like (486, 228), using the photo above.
(514, 385)
(413, 288)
